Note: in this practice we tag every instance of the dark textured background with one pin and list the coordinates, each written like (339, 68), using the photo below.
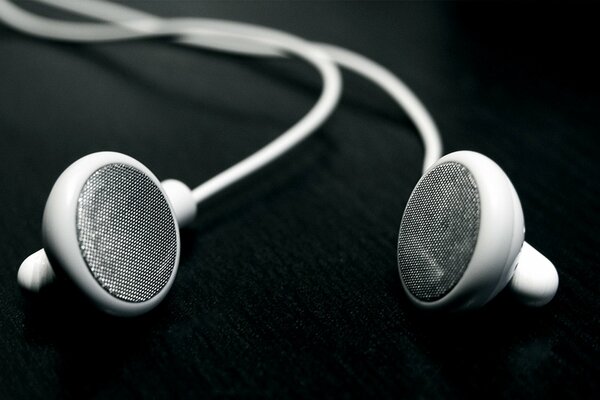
(288, 283)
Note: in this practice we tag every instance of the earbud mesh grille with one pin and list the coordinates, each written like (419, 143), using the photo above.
(126, 231)
(439, 231)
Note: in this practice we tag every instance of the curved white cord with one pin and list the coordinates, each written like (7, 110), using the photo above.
(242, 39)
(139, 20)
(396, 89)
(24, 21)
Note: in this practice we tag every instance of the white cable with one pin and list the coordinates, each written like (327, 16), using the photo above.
(24, 21)
(400, 92)
(46, 28)
(147, 23)
(233, 37)
(396, 89)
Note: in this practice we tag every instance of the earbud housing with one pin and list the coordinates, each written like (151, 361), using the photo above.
(461, 233)
(110, 228)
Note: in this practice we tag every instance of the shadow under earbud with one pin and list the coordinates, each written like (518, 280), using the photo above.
(455, 332)
(92, 347)
(498, 325)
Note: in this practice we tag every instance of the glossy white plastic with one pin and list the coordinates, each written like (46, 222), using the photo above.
(182, 200)
(35, 272)
(535, 280)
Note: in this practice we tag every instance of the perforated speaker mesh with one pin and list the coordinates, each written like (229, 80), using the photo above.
(126, 231)
(439, 231)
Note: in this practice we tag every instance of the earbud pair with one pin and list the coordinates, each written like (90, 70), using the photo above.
(113, 229)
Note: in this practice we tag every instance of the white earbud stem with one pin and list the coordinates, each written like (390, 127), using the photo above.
(535, 279)
(182, 201)
(35, 272)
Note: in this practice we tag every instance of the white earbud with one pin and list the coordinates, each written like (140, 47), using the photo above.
(461, 239)
(113, 230)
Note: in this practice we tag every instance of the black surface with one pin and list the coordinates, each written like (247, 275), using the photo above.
(288, 284)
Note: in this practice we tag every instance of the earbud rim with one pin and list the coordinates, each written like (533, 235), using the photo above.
(59, 233)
